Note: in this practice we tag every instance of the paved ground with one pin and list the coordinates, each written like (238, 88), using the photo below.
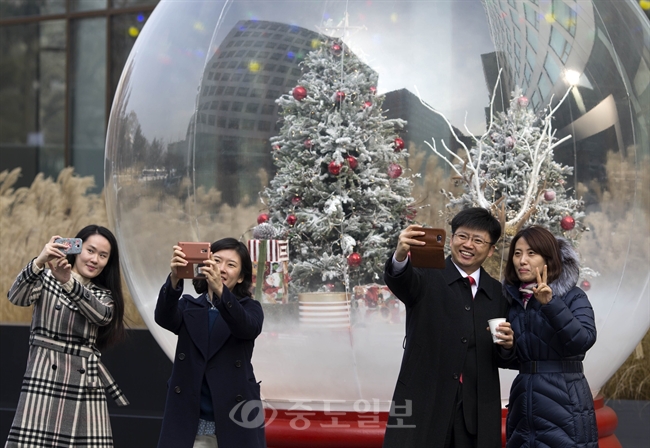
(633, 429)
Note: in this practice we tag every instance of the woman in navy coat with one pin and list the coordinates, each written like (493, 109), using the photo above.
(550, 400)
(213, 396)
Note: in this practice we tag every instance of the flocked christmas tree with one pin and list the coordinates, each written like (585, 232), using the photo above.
(340, 195)
(510, 170)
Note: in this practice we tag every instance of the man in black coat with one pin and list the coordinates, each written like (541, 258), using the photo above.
(447, 392)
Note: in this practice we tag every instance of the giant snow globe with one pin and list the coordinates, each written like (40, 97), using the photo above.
(315, 131)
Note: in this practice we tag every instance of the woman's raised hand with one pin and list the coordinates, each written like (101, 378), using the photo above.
(178, 259)
(543, 293)
(50, 252)
(213, 276)
(61, 269)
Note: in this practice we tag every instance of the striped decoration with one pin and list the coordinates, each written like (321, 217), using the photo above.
(277, 250)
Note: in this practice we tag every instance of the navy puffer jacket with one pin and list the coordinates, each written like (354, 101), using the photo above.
(553, 409)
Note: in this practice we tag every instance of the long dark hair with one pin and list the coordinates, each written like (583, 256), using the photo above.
(242, 289)
(110, 278)
(542, 242)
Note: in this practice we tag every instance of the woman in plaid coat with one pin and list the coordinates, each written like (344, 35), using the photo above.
(78, 309)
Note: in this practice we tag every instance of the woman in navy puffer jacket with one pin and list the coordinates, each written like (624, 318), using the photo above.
(550, 401)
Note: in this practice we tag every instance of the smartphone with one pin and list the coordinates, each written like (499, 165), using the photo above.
(432, 254)
(73, 245)
(195, 254)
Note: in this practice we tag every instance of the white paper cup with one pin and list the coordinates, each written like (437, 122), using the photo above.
(494, 323)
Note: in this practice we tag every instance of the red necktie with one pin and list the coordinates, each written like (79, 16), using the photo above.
(472, 282)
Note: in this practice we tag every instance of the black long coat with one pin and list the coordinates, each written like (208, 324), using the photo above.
(224, 356)
(440, 317)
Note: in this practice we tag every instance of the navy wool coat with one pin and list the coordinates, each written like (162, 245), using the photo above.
(223, 356)
(441, 317)
(552, 409)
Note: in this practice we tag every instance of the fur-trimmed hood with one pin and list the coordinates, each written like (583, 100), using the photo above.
(570, 269)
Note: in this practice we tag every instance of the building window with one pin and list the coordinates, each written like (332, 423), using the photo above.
(552, 68)
(531, 37)
(211, 120)
(276, 56)
(528, 71)
(213, 105)
(531, 57)
(237, 106)
(268, 109)
(269, 67)
(225, 105)
(272, 94)
(263, 126)
(545, 86)
(236, 77)
(283, 69)
(230, 90)
(565, 16)
(560, 46)
(248, 125)
(220, 90)
(277, 81)
(221, 122)
(233, 123)
(251, 108)
(255, 93)
(535, 100)
(242, 91)
(249, 78)
(531, 15)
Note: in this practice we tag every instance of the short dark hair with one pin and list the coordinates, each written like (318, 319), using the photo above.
(477, 218)
(242, 289)
(110, 278)
(542, 242)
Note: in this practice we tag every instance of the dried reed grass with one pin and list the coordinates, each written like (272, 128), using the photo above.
(29, 216)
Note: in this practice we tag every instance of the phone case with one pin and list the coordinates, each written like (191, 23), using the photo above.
(74, 245)
(432, 255)
(195, 254)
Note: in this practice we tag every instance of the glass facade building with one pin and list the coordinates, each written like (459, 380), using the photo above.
(60, 64)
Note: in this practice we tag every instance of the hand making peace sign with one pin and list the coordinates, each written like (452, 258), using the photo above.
(543, 293)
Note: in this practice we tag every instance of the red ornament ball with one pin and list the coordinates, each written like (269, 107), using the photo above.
(334, 168)
(585, 285)
(510, 142)
(308, 144)
(330, 286)
(366, 105)
(352, 161)
(398, 144)
(394, 171)
(549, 195)
(276, 147)
(262, 217)
(373, 90)
(336, 49)
(522, 101)
(339, 96)
(291, 219)
(299, 93)
(296, 200)
(354, 259)
(568, 223)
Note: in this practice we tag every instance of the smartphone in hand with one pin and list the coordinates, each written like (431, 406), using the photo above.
(73, 245)
(432, 254)
(195, 254)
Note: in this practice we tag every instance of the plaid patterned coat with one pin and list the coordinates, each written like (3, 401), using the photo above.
(63, 396)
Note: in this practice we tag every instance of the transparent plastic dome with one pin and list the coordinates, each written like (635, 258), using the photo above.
(188, 150)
